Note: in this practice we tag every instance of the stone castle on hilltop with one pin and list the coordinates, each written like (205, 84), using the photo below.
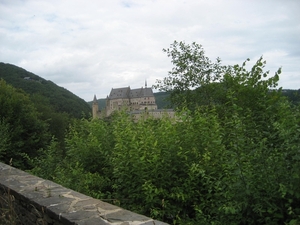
(138, 102)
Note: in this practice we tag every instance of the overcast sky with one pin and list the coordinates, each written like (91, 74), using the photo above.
(91, 46)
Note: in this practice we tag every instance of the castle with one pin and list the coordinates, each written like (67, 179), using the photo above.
(138, 102)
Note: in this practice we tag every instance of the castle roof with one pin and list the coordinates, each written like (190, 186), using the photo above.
(126, 92)
(119, 93)
(95, 98)
(141, 92)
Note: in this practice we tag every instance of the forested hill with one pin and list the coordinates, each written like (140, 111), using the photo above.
(62, 100)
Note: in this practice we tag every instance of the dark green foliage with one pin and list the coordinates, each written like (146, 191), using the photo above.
(22, 132)
(58, 123)
(292, 95)
(161, 99)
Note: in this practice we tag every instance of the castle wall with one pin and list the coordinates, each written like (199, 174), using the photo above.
(135, 101)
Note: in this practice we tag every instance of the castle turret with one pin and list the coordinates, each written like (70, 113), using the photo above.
(95, 107)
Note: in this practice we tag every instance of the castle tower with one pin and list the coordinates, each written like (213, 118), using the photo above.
(145, 88)
(95, 108)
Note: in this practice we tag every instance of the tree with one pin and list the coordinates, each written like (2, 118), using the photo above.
(255, 180)
(58, 122)
(5, 137)
(191, 74)
(24, 133)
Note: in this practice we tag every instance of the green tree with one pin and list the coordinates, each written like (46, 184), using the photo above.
(85, 165)
(23, 131)
(191, 74)
(5, 137)
(258, 130)
(58, 122)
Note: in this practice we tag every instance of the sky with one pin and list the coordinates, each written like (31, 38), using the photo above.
(92, 46)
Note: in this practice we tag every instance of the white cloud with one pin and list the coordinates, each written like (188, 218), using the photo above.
(90, 47)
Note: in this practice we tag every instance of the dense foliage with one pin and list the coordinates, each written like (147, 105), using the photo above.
(292, 95)
(21, 130)
(233, 160)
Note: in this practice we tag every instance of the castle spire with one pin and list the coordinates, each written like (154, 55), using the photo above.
(145, 83)
(95, 107)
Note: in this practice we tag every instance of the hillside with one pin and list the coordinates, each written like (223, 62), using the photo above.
(62, 100)
(292, 95)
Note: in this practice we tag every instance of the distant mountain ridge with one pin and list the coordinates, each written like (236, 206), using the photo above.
(62, 100)
(162, 101)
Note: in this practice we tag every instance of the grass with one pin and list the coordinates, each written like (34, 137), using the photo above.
(8, 215)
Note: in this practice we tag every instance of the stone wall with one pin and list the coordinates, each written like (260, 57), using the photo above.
(30, 200)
